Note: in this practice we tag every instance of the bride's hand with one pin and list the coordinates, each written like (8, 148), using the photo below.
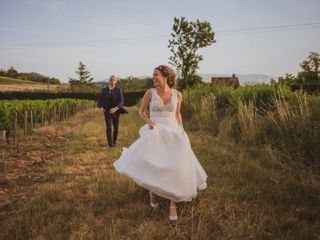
(151, 124)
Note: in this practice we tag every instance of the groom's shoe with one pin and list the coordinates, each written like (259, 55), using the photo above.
(110, 147)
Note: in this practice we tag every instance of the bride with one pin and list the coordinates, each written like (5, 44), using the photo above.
(161, 159)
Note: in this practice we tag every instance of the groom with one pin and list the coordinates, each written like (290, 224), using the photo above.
(111, 104)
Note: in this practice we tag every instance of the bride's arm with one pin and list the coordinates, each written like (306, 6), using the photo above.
(144, 104)
(178, 112)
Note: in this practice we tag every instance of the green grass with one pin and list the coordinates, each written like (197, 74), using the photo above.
(8, 80)
(252, 193)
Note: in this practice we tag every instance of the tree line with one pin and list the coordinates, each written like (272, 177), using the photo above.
(307, 79)
(83, 82)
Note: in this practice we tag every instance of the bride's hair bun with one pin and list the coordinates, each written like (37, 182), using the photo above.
(168, 73)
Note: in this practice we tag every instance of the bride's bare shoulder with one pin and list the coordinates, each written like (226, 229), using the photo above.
(149, 90)
(179, 93)
(148, 93)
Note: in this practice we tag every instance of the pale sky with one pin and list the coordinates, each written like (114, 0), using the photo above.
(130, 37)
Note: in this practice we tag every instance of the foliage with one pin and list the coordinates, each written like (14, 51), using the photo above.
(39, 108)
(258, 115)
(310, 73)
(308, 79)
(130, 84)
(228, 97)
(190, 81)
(187, 38)
(32, 76)
(11, 72)
(84, 78)
(130, 98)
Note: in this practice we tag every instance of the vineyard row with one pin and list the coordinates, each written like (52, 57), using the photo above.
(25, 115)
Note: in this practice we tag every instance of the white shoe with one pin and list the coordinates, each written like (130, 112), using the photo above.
(152, 204)
(173, 217)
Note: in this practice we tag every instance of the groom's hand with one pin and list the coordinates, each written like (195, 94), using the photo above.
(112, 110)
(102, 109)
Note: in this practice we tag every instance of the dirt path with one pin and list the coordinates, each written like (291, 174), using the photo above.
(24, 167)
(61, 183)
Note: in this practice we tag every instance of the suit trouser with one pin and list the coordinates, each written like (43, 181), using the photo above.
(111, 119)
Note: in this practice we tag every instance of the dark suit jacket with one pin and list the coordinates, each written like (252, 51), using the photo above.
(103, 100)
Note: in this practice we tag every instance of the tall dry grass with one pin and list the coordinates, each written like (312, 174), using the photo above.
(252, 193)
(288, 124)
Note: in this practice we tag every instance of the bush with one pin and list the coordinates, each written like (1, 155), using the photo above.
(258, 115)
(131, 98)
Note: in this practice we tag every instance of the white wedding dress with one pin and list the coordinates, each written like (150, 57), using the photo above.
(161, 159)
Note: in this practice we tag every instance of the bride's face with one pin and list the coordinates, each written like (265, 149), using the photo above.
(158, 78)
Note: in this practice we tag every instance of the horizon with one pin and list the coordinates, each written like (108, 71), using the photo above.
(51, 36)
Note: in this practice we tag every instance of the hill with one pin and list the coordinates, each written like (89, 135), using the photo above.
(8, 80)
(12, 84)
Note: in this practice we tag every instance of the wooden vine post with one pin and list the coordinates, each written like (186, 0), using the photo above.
(29, 118)
(55, 114)
(25, 123)
(42, 117)
(15, 128)
(31, 121)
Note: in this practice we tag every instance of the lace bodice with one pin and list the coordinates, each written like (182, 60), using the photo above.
(158, 109)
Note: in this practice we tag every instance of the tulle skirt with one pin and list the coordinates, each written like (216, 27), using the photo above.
(162, 161)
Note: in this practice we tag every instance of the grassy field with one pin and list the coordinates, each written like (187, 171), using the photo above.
(12, 84)
(60, 184)
(8, 80)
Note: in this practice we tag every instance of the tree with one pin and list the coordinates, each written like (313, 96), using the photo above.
(288, 79)
(308, 79)
(190, 81)
(12, 72)
(310, 73)
(84, 79)
(3, 72)
(186, 39)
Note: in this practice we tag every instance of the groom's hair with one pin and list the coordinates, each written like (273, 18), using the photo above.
(112, 76)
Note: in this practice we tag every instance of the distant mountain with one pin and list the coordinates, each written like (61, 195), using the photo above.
(243, 78)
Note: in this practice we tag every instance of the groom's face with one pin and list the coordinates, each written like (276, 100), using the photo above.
(112, 81)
